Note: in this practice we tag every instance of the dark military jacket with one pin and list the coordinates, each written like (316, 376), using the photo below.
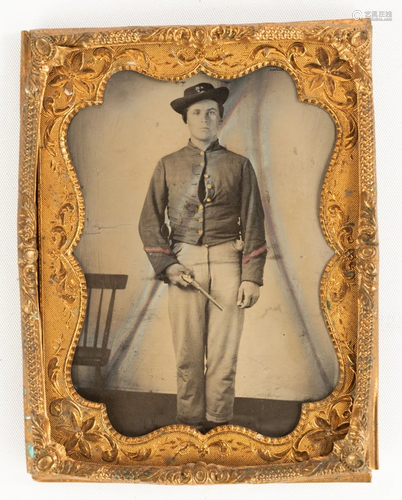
(211, 197)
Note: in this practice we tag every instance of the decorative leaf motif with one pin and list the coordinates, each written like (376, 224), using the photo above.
(334, 419)
(140, 455)
(87, 73)
(322, 57)
(81, 86)
(342, 429)
(320, 441)
(314, 68)
(93, 436)
(58, 80)
(269, 457)
(71, 443)
(340, 76)
(224, 447)
(337, 63)
(316, 83)
(88, 424)
(85, 449)
(77, 62)
(102, 53)
(53, 368)
(263, 51)
(48, 142)
(49, 107)
(75, 421)
(133, 54)
(325, 72)
(352, 136)
(329, 86)
(56, 407)
(321, 422)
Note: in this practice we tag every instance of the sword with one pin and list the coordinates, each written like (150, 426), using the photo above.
(188, 279)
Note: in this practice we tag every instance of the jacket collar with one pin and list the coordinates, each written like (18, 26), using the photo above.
(214, 146)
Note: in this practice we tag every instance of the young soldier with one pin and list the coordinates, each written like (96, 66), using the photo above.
(216, 226)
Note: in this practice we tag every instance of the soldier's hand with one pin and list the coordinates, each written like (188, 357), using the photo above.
(248, 294)
(174, 274)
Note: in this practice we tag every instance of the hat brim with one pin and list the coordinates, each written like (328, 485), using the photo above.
(218, 95)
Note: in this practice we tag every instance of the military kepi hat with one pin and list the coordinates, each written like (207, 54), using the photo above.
(198, 93)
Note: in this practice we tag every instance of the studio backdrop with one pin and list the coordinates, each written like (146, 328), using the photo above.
(285, 351)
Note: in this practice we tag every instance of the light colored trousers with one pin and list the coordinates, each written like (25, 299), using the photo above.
(206, 340)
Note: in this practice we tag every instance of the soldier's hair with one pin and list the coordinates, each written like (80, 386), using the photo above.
(221, 111)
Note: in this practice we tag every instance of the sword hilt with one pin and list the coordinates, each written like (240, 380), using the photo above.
(188, 279)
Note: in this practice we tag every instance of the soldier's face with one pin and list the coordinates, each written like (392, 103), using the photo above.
(203, 120)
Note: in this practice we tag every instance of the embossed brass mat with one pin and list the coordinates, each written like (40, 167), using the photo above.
(69, 438)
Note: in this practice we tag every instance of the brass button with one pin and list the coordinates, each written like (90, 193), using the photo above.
(200, 231)
(202, 153)
(206, 176)
(202, 164)
(200, 219)
(209, 186)
(208, 200)
(201, 207)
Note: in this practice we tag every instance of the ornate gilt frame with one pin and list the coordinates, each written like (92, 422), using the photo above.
(70, 438)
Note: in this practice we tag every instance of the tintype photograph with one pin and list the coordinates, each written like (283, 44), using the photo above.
(203, 252)
(198, 253)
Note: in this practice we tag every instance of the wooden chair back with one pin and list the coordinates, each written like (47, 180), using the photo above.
(92, 349)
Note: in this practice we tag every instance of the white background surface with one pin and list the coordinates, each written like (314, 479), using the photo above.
(15, 483)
